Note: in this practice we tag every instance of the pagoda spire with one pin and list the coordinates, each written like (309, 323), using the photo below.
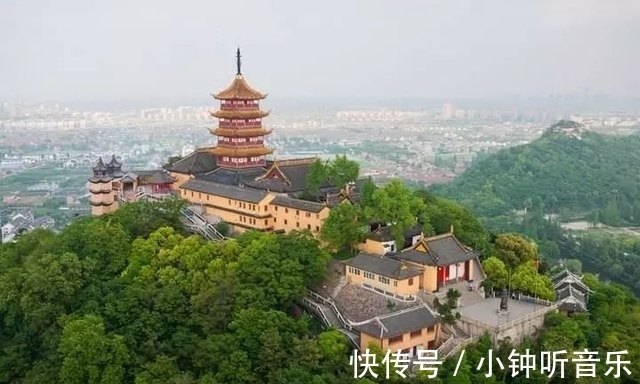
(238, 62)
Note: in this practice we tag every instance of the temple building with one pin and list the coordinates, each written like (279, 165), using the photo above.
(409, 331)
(429, 264)
(572, 294)
(240, 156)
(240, 132)
(111, 185)
(233, 181)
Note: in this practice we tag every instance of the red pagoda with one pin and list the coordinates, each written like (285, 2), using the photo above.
(240, 132)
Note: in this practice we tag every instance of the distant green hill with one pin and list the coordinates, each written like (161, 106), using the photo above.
(568, 169)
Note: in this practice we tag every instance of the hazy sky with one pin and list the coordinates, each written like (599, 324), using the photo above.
(71, 50)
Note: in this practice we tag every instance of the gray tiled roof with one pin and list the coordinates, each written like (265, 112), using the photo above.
(570, 291)
(571, 299)
(295, 173)
(303, 205)
(198, 162)
(567, 277)
(441, 250)
(336, 199)
(578, 286)
(157, 176)
(384, 233)
(104, 179)
(398, 323)
(236, 177)
(384, 266)
(237, 193)
(564, 274)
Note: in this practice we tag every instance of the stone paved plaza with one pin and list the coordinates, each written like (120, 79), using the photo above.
(486, 311)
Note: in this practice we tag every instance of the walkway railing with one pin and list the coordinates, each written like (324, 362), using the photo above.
(202, 226)
(319, 310)
(526, 318)
(406, 299)
(459, 346)
(354, 342)
(323, 317)
(536, 300)
(444, 347)
(509, 324)
(347, 324)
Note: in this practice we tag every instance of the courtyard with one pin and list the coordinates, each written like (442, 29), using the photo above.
(486, 311)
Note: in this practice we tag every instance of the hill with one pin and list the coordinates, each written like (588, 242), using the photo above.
(129, 298)
(569, 169)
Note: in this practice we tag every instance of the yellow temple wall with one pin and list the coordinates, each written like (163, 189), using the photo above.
(181, 178)
(427, 336)
(404, 287)
(291, 219)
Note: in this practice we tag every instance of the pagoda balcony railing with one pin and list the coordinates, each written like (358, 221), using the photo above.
(227, 144)
(240, 123)
(229, 106)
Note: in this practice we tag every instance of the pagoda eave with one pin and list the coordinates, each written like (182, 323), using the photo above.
(240, 132)
(239, 114)
(239, 152)
(224, 97)
(239, 90)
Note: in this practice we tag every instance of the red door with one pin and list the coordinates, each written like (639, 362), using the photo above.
(442, 276)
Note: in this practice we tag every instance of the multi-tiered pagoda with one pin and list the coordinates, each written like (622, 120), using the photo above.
(240, 132)
(239, 158)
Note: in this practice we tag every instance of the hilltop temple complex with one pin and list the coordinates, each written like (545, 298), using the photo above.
(382, 295)
(233, 182)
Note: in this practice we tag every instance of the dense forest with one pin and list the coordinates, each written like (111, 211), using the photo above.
(130, 298)
(570, 171)
(560, 173)
(613, 257)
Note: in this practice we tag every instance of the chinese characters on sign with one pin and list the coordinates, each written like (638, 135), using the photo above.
(551, 364)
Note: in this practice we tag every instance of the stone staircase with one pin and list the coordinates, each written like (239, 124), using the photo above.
(446, 348)
(459, 332)
(196, 223)
(457, 338)
(331, 318)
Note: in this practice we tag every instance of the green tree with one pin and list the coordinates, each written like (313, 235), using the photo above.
(396, 205)
(174, 159)
(440, 215)
(342, 171)
(89, 355)
(611, 214)
(574, 265)
(334, 348)
(515, 250)
(496, 272)
(343, 228)
(317, 176)
(526, 278)
(446, 310)
(366, 192)
(272, 271)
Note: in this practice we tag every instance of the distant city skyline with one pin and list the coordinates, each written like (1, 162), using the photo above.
(69, 51)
